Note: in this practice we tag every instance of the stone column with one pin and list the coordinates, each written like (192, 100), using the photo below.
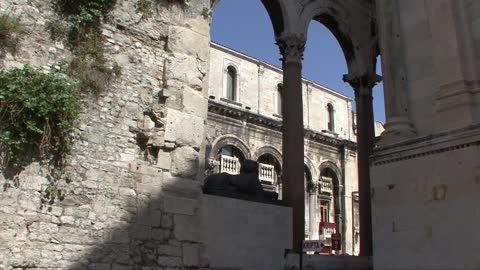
(398, 125)
(338, 203)
(363, 86)
(312, 194)
(291, 49)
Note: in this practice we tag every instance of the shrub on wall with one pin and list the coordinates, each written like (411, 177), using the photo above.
(37, 116)
(11, 30)
(84, 38)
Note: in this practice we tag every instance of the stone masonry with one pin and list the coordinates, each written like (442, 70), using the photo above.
(133, 196)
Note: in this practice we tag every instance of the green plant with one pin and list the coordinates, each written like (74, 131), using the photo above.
(145, 7)
(58, 29)
(89, 64)
(11, 31)
(37, 116)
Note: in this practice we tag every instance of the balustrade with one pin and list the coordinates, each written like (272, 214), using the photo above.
(326, 184)
(266, 173)
(327, 229)
(230, 165)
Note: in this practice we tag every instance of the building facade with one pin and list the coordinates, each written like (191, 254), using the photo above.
(244, 122)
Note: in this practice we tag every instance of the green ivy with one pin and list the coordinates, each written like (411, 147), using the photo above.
(37, 116)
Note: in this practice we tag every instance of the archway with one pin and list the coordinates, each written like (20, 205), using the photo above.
(226, 154)
(331, 200)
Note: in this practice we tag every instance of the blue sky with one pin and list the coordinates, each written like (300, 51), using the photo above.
(245, 26)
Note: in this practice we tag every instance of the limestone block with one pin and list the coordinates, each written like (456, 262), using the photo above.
(169, 250)
(190, 254)
(149, 185)
(194, 102)
(187, 41)
(150, 218)
(187, 70)
(186, 228)
(184, 129)
(179, 205)
(184, 162)
(167, 222)
(164, 160)
(169, 261)
(180, 186)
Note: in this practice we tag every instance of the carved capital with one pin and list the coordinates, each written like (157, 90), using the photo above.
(312, 188)
(261, 69)
(291, 47)
(362, 85)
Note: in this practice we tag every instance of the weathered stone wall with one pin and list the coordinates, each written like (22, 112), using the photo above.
(126, 206)
(425, 189)
(231, 223)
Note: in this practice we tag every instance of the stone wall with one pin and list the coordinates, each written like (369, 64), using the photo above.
(230, 224)
(132, 198)
(425, 187)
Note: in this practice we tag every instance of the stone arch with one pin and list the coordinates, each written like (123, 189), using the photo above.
(268, 149)
(275, 10)
(338, 195)
(229, 139)
(333, 166)
(313, 173)
(309, 164)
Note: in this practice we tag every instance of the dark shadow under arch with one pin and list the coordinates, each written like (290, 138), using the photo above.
(229, 140)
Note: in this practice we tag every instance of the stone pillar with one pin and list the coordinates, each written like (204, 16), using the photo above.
(398, 125)
(291, 48)
(312, 194)
(338, 203)
(363, 86)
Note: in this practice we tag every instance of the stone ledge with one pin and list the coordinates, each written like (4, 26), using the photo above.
(427, 145)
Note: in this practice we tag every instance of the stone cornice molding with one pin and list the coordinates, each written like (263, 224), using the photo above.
(291, 48)
(219, 108)
(427, 145)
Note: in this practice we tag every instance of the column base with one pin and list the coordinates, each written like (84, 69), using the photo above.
(397, 129)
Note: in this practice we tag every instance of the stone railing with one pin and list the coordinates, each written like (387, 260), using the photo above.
(266, 173)
(327, 229)
(326, 184)
(229, 165)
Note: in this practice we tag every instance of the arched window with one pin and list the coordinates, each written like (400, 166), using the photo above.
(231, 84)
(279, 98)
(331, 117)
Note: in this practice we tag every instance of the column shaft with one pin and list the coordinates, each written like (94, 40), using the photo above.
(365, 137)
(292, 146)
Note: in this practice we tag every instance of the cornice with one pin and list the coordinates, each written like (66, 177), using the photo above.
(222, 109)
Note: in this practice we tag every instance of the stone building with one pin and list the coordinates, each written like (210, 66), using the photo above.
(134, 200)
(244, 122)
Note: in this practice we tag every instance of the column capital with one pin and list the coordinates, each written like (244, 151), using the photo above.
(312, 188)
(291, 47)
(362, 84)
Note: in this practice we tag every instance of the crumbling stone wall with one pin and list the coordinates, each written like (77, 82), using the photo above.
(132, 198)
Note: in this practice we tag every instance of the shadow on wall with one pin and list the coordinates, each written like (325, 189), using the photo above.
(159, 230)
(116, 218)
